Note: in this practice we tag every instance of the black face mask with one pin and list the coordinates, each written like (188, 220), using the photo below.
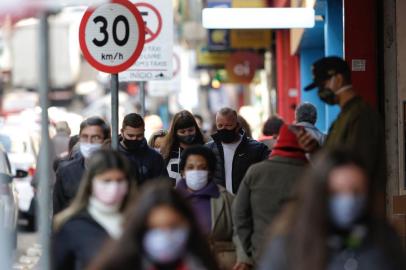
(187, 139)
(327, 95)
(134, 145)
(227, 135)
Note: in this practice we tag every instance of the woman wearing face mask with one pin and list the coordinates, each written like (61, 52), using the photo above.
(95, 214)
(160, 234)
(212, 206)
(183, 133)
(330, 225)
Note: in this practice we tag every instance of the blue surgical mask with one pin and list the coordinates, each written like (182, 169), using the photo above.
(165, 246)
(345, 209)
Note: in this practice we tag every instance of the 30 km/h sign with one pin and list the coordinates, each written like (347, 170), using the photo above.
(112, 36)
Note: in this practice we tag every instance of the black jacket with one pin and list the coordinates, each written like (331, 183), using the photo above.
(147, 163)
(67, 183)
(247, 153)
(77, 242)
(172, 165)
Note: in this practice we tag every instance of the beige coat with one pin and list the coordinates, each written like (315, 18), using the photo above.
(224, 239)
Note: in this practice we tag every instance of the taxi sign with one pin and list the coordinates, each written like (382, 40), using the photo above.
(112, 36)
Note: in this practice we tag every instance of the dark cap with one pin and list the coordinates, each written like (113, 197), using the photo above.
(325, 68)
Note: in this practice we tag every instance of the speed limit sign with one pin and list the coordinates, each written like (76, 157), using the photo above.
(112, 36)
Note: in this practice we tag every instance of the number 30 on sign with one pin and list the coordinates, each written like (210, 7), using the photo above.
(112, 36)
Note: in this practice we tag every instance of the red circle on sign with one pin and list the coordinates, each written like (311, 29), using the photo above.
(147, 30)
(137, 52)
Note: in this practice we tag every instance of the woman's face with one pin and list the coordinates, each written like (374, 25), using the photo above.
(167, 235)
(186, 131)
(159, 141)
(348, 180)
(196, 162)
(166, 218)
(110, 187)
(113, 175)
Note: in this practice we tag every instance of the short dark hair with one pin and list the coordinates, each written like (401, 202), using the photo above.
(200, 151)
(133, 120)
(96, 121)
(272, 126)
(306, 112)
(228, 111)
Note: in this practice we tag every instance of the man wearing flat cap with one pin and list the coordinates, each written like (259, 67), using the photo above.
(357, 128)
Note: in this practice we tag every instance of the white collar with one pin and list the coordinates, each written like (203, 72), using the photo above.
(109, 217)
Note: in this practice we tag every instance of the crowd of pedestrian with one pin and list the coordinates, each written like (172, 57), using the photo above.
(296, 198)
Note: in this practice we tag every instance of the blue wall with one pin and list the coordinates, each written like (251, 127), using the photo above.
(325, 39)
(307, 57)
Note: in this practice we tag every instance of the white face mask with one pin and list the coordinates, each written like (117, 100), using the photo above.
(110, 193)
(87, 149)
(196, 179)
(165, 246)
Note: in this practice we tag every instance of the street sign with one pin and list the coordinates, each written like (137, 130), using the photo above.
(155, 62)
(112, 36)
(164, 88)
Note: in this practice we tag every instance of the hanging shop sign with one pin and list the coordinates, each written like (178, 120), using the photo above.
(218, 39)
(211, 59)
(250, 39)
(241, 67)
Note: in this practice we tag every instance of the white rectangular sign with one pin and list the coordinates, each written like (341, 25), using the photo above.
(155, 62)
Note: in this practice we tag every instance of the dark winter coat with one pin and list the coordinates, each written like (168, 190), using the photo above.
(77, 242)
(67, 183)
(265, 188)
(374, 253)
(147, 163)
(247, 153)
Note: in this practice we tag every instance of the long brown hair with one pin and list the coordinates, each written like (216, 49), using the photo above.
(182, 119)
(306, 218)
(100, 162)
(128, 251)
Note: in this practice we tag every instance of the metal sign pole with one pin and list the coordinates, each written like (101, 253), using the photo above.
(142, 97)
(44, 160)
(114, 111)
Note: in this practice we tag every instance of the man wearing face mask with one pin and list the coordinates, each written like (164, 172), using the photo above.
(358, 127)
(234, 151)
(147, 162)
(93, 132)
